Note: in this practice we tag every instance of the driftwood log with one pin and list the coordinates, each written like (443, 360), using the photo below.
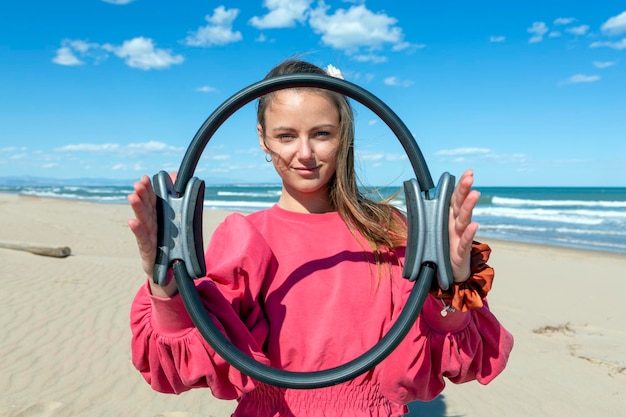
(37, 249)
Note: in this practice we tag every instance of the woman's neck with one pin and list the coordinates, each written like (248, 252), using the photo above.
(316, 202)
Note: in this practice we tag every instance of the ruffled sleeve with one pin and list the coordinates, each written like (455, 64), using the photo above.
(166, 347)
(460, 347)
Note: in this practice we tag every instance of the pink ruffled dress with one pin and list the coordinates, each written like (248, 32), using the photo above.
(300, 292)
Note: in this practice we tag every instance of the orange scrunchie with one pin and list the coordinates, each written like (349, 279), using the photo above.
(468, 295)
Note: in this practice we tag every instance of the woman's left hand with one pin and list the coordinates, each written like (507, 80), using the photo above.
(461, 227)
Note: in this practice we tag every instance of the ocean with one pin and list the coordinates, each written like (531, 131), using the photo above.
(587, 218)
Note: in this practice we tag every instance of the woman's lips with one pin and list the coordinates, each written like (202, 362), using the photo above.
(307, 170)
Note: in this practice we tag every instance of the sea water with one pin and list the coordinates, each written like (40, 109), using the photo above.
(588, 218)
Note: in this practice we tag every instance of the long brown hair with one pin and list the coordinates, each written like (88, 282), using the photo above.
(382, 224)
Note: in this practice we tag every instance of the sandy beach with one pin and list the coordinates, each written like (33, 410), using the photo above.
(65, 338)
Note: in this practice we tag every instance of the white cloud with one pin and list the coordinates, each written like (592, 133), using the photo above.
(578, 30)
(206, 89)
(619, 45)
(538, 29)
(83, 46)
(554, 34)
(151, 147)
(13, 149)
(463, 151)
(396, 157)
(253, 150)
(120, 2)
(90, 147)
(395, 82)
(138, 53)
(358, 31)
(231, 167)
(65, 56)
(615, 25)
(471, 155)
(219, 30)
(141, 53)
(369, 156)
(603, 64)
(402, 46)
(136, 167)
(71, 52)
(357, 28)
(563, 20)
(581, 78)
(376, 59)
(282, 14)
(497, 39)
(143, 148)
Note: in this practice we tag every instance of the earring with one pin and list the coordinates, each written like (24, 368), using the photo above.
(268, 157)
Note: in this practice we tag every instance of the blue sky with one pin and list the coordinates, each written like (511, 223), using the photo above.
(528, 93)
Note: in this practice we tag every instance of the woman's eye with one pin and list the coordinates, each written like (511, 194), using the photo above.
(322, 134)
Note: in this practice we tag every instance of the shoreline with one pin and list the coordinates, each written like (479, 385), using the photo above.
(220, 214)
(66, 341)
(547, 247)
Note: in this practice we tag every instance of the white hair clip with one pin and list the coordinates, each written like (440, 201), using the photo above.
(334, 71)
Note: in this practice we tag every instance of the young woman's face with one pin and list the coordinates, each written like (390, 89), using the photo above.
(302, 136)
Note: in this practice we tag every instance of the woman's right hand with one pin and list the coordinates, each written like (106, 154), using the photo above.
(145, 228)
(144, 225)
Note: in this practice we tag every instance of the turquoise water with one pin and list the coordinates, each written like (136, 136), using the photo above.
(581, 217)
(589, 218)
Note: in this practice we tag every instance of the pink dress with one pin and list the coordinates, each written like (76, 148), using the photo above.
(300, 292)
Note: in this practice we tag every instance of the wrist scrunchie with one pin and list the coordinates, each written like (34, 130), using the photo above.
(468, 295)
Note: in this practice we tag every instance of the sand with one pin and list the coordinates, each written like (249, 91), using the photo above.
(64, 333)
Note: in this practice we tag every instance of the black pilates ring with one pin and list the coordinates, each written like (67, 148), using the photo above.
(180, 246)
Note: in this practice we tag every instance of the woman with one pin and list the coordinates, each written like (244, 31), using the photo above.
(315, 281)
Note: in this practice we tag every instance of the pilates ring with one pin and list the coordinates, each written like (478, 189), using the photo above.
(180, 245)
